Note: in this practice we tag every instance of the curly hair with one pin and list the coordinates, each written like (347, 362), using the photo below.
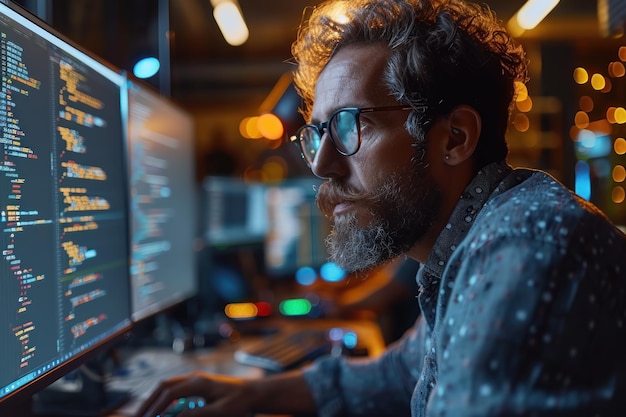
(443, 53)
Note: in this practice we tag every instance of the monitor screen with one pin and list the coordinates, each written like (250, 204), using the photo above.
(64, 287)
(235, 212)
(162, 201)
(297, 229)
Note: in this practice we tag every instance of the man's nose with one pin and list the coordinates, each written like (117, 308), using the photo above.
(328, 162)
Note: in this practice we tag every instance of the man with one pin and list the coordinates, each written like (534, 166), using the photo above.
(522, 283)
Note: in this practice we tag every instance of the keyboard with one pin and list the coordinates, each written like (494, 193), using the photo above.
(282, 351)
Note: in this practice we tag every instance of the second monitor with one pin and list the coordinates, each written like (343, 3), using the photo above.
(162, 201)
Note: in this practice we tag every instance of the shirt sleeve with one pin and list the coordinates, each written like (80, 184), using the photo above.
(369, 387)
(533, 328)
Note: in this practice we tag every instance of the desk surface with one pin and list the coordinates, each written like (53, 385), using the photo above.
(147, 366)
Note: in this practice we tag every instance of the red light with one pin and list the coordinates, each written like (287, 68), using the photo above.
(265, 309)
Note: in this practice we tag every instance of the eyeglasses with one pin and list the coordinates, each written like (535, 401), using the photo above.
(344, 130)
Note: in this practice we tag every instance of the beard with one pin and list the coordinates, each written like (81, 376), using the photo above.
(402, 210)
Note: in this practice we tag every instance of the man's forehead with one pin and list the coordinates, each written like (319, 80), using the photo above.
(351, 77)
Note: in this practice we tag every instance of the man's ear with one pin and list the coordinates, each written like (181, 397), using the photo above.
(464, 127)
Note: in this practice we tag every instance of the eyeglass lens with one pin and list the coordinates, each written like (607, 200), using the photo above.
(344, 133)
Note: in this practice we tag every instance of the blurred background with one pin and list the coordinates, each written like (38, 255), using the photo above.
(569, 120)
(226, 242)
(571, 124)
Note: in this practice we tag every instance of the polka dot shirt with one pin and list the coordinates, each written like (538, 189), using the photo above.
(523, 302)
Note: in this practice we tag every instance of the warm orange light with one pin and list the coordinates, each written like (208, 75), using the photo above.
(616, 69)
(621, 52)
(274, 170)
(338, 13)
(608, 86)
(521, 91)
(619, 146)
(573, 133)
(619, 173)
(521, 122)
(580, 75)
(581, 120)
(610, 115)
(586, 104)
(248, 128)
(525, 105)
(601, 127)
(252, 174)
(619, 195)
(598, 82)
(241, 310)
(270, 126)
(620, 115)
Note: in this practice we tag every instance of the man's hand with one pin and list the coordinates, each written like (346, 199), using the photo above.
(224, 396)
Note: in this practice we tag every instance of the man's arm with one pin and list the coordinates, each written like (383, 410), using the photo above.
(286, 393)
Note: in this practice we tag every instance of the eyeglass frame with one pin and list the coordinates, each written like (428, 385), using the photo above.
(323, 127)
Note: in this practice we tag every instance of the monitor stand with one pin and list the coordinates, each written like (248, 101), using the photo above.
(86, 395)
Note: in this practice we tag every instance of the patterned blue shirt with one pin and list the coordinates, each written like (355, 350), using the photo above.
(523, 314)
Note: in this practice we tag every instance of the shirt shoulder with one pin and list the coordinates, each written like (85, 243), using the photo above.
(532, 205)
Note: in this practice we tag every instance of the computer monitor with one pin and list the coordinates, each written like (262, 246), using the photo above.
(162, 201)
(297, 229)
(234, 224)
(64, 282)
(235, 212)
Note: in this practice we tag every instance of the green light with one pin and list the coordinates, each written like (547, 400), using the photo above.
(295, 307)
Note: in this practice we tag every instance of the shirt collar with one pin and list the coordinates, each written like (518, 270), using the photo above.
(470, 203)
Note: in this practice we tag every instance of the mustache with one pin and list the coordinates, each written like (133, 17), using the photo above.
(331, 193)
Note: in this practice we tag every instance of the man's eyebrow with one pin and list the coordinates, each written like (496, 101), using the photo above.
(333, 110)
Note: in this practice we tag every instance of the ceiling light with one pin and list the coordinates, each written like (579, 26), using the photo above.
(533, 12)
(230, 21)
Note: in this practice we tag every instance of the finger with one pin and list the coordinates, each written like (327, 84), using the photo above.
(143, 408)
(166, 393)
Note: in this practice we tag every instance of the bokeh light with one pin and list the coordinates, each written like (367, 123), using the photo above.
(525, 105)
(619, 173)
(521, 122)
(331, 272)
(306, 276)
(521, 91)
(620, 115)
(270, 126)
(598, 82)
(581, 120)
(619, 146)
(586, 104)
(295, 307)
(618, 195)
(616, 69)
(249, 128)
(581, 76)
(241, 310)
(274, 169)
